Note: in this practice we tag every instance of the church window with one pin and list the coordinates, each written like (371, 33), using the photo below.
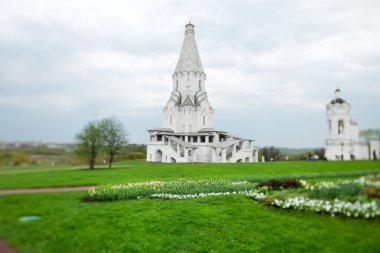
(340, 127)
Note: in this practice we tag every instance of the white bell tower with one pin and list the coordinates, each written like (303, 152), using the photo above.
(343, 132)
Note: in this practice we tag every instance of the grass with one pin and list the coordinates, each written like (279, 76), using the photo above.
(215, 224)
(142, 171)
(346, 191)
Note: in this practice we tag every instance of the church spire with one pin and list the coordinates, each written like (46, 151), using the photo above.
(189, 60)
(338, 93)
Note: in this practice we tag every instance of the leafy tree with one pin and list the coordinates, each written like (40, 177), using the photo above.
(89, 142)
(320, 152)
(367, 132)
(271, 153)
(114, 138)
(135, 148)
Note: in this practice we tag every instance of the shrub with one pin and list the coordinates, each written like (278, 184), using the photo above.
(371, 191)
(275, 184)
(344, 191)
(135, 155)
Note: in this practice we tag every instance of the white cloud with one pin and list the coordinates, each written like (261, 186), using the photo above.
(41, 102)
(101, 58)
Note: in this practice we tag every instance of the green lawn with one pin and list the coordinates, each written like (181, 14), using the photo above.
(142, 171)
(213, 224)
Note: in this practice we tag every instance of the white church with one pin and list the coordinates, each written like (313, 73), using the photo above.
(188, 134)
(343, 140)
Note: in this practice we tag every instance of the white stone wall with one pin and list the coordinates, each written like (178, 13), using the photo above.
(374, 146)
(362, 151)
(187, 151)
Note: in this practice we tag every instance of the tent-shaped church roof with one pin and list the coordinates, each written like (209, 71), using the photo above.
(189, 60)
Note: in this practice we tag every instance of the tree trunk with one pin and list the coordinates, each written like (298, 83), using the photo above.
(110, 162)
(91, 164)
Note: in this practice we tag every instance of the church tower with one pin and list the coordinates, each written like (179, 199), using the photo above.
(188, 109)
(188, 134)
(343, 132)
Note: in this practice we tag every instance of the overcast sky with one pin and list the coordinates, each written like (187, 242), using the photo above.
(271, 66)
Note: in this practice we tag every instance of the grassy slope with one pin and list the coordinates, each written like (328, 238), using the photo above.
(217, 224)
(142, 171)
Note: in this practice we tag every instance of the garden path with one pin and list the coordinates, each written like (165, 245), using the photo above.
(10, 172)
(50, 189)
(6, 248)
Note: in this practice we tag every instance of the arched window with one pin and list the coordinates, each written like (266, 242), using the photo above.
(329, 125)
(204, 120)
(340, 127)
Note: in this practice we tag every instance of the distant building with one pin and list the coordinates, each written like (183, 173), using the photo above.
(343, 140)
(188, 134)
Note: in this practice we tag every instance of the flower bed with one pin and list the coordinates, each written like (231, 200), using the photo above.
(343, 197)
(252, 194)
(346, 197)
(182, 187)
(349, 209)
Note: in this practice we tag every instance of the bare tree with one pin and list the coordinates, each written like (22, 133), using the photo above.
(114, 137)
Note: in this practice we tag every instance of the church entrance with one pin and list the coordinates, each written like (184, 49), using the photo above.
(158, 156)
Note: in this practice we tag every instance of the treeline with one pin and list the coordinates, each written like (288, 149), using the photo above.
(272, 153)
(13, 157)
(39, 155)
(134, 152)
(45, 155)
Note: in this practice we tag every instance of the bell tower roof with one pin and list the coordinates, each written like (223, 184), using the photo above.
(189, 60)
(338, 97)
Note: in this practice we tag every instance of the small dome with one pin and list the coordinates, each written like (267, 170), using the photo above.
(338, 98)
(337, 101)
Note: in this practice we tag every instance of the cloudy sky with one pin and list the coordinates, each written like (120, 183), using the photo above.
(272, 66)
